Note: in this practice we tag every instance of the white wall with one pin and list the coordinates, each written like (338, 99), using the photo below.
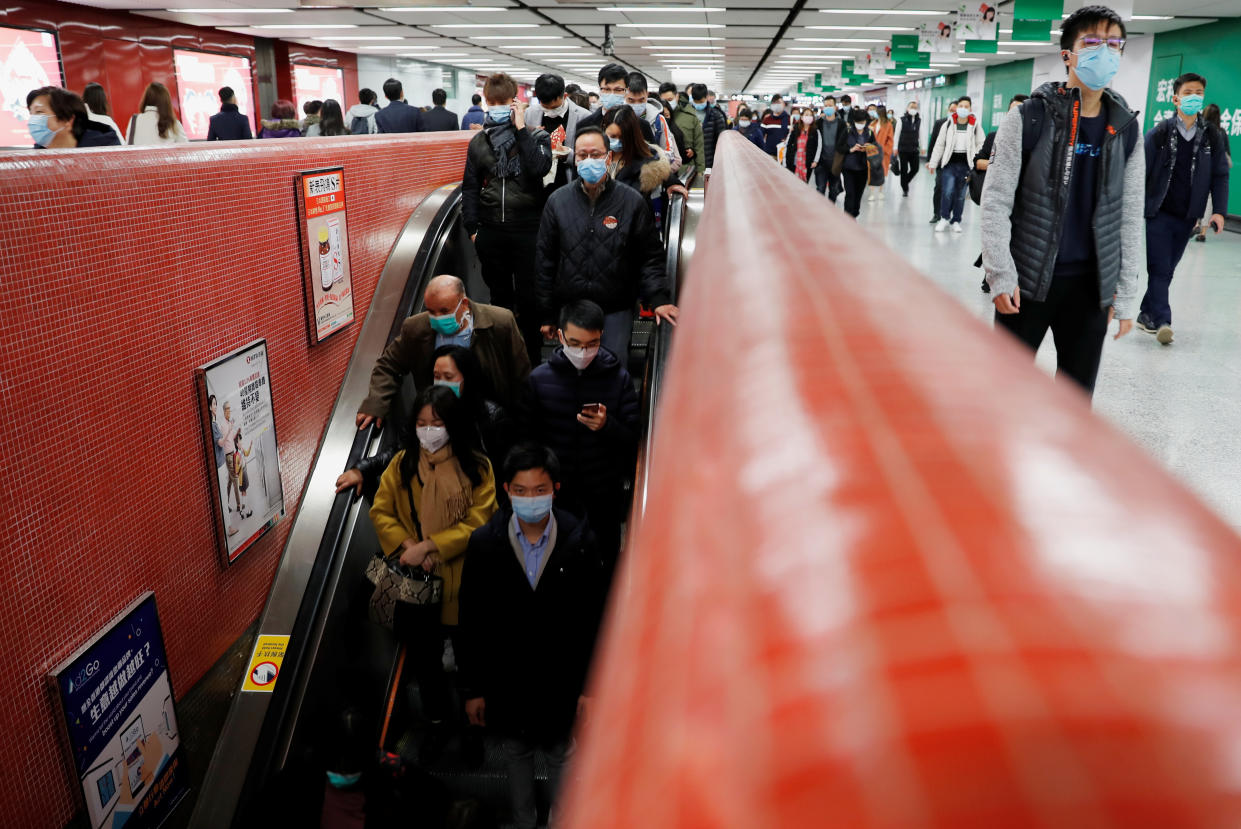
(418, 79)
(976, 85)
(1131, 82)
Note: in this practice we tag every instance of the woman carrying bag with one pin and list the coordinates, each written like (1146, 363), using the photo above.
(884, 128)
(436, 491)
(853, 147)
(805, 149)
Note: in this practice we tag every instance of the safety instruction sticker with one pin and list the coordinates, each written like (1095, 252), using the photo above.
(265, 664)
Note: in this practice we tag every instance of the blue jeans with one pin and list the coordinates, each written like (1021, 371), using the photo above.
(1166, 238)
(956, 187)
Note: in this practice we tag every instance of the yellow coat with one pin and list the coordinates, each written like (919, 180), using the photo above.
(393, 522)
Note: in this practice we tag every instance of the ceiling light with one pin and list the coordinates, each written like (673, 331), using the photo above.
(488, 25)
(972, 60)
(840, 40)
(308, 26)
(1150, 17)
(433, 57)
(649, 37)
(626, 9)
(668, 25)
(451, 9)
(359, 37)
(230, 11)
(882, 11)
(862, 28)
(1025, 43)
(517, 37)
(687, 48)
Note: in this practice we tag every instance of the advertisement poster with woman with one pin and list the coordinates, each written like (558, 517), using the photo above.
(325, 251)
(937, 38)
(28, 60)
(977, 22)
(120, 722)
(243, 457)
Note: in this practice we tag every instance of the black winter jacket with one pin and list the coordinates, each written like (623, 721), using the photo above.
(608, 252)
(229, 125)
(506, 202)
(595, 464)
(438, 119)
(814, 150)
(910, 127)
(714, 125)
(527, 651)
(1208, 172)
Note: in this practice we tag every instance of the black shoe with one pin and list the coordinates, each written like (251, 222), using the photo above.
(934, 220)
(1146, 324)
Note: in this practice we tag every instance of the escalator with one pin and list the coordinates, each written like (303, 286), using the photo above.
(335, 658)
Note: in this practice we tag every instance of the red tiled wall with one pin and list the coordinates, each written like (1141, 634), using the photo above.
(124, 52)
(123, 270)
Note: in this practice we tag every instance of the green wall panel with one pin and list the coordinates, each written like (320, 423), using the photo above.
(1002, 83)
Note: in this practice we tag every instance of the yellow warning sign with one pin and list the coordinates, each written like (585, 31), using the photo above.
(265, 664)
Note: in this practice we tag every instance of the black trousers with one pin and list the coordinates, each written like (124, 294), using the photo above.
(506, 255)
(939, 190)
(1077, 323)
(855, 186)
(909, 161)
(826, 182)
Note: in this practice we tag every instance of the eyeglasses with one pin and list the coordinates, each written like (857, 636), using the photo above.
(582, 155)
(1116, 44)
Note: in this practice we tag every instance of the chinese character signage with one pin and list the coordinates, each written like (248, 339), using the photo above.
(937, 37)
(243, 457)
(121, 724)
(325, 251)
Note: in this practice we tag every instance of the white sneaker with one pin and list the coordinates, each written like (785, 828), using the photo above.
(881, 192)
(941, 225)
(871, 197)
(956, 227)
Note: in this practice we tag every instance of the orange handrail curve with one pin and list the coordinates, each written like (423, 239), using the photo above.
(891, 575)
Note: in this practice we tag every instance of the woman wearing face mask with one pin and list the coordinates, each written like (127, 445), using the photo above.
(457, 369)
(885, 129)
(436, 491)
(851, 154)
(805, 148)
(747, 126)
(634, 162)
(59, 121)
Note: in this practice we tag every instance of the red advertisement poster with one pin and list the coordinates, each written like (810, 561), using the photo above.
(317, 83)
(28, 60)
(199, 78)
(325, 251)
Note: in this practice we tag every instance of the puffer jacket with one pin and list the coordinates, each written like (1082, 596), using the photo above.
(647, 175)
(814, 149)
(907, 139)
(595, 464)
(1208, 172)
(283, 128)
(608, 252)
(1028, 188)
(713, 125)
(508, 202)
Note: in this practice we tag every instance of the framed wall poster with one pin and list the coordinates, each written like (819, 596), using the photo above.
(325, 251)
(120, 723)
(243, 457)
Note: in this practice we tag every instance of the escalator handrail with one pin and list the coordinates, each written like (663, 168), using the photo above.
(256, 734)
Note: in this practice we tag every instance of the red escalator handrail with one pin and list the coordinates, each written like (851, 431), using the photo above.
(891, 575)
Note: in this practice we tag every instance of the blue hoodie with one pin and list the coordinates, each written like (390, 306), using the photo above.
(473, 115)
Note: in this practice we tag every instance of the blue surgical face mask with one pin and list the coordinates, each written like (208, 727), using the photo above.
(447, 324)
(829, 110)
(611, 100)
(639, 109)
(40, 132)
(1191, 104)
(500, 114)
(454, 387)
(592, 170)
(532, 509)
(343, 781)
(700, 105)
(615, 145)
(1096, 67)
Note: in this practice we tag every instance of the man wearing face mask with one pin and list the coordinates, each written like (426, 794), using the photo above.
(687, 120)
(713, 121)
(532, 595)
(908, 129)
(613, 84)
(1065, 255)
(937, 194)
(450, 318)
(582, 405)
(59, 121)
(598, 241)
(959, 141)
(830, 126)
(1186, 161)
(636, 98)
(555, 114)
(501, 200)
(775, 127)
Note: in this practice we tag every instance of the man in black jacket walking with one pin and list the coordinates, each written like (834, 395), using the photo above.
(397, 116)
(582, 405)
(907, 145)
(501, 199)
(438, 119)
(228, 124)
(597, 241)
(830, 126)
(532, 594)
(939, 186)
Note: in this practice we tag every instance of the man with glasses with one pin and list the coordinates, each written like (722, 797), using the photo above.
(613, 84)
(597, 241)
(1065, 256)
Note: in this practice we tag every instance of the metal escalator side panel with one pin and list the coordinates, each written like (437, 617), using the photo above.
(259, 724)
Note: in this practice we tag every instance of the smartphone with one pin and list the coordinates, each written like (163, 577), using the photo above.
(131, 750)
(592, 408)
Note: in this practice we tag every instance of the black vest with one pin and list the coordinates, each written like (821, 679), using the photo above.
(910, 128)
(1043, 192)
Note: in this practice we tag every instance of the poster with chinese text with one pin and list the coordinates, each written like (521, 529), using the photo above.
(325, 251)
(937, 37)
(977, 21)
(243, 457)
(121, 723)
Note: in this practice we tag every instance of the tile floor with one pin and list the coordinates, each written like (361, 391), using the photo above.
(1181, 403)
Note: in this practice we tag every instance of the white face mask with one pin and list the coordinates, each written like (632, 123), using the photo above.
(579, 357)
(913, 110)
(558, 111)
(872, 113)
(807, 119)
(859, 126)
(743, 122)
(777, 108)
(963, 112)
(432, 438)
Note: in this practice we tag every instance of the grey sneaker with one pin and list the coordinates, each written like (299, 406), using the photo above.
(1164, 335)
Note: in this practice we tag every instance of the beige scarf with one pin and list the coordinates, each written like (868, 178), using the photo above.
(446, 491)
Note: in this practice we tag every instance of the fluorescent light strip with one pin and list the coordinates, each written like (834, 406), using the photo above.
(488, 25)
(973, 60)
(432, 58)
(449, 9)
(861, 28)
(883, 11)
(629, 9)
(359, 37)
(668, 25)
(839, 40)
(1150, 17)
(308, 26)
(517, 37)
(648, 37)
(230, 11)
(687, 48)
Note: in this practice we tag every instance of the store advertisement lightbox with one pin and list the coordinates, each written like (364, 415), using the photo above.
(317, 83)
(28, 61)
(199, 78)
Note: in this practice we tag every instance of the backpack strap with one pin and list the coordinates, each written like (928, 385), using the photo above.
(1033, 112)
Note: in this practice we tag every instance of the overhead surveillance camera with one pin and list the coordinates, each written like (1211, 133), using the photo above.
(609, 47)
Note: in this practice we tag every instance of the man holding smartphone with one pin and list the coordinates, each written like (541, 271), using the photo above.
(502, 201)
(582, 405)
